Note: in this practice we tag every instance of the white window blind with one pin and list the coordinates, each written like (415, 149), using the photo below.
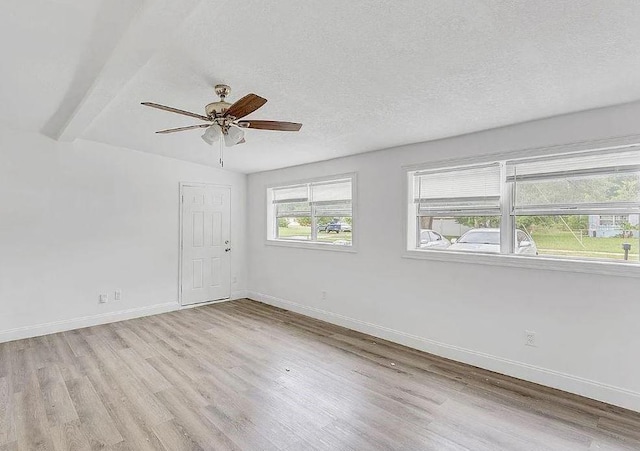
(331, 192)
(332, 198)
(292, 201)
(604, 182)
(576, 164)
(299, 193)
(317, 193)
(463, 191)
(293, 209)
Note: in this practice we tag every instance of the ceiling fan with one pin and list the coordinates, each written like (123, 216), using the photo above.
(222, 119)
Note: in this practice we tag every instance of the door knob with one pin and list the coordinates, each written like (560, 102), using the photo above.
(227, 249)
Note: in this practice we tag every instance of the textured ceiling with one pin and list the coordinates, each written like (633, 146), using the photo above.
(41, 43)
(359, 75)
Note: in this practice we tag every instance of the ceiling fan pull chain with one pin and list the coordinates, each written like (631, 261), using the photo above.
(221, 153)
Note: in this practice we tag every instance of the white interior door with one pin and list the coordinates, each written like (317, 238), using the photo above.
(205, 244)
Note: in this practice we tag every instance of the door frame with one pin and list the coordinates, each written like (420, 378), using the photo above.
(180, 207)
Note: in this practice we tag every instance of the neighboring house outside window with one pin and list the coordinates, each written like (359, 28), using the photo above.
(606, 226)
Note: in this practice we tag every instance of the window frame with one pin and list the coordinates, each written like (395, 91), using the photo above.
(271, 218)
(507, 257)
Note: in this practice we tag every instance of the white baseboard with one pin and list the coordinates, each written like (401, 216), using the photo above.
(85, 321)
(573, 384)
(239, 294)
(203, 304)
(103, 318)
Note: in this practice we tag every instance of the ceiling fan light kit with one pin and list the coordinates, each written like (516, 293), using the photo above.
(233, 136)
(222, 118)
(212, 134)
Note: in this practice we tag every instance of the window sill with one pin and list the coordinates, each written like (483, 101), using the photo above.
(532, 262)
(312, 245)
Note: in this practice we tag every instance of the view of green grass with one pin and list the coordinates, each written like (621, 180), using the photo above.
(548, 242)
(294, 232)
(304, 232)
(565, 243)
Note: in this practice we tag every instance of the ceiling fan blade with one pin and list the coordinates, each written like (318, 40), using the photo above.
(246, 105)
(180, 129)
(271, 125)
(175, 110)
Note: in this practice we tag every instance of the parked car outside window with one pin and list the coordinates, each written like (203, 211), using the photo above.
(433, 240)
(338, 227)
(488, 240)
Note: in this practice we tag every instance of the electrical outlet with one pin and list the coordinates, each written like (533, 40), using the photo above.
(103, 298)
(323, 295)
(235, 279)
(117, 295)
(530, 338)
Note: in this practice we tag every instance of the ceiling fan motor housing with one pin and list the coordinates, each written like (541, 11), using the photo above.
(216, 108)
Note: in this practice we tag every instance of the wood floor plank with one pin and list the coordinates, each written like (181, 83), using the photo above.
(32, 429)
(244, 375)
(135, 342)
(188, 417)
(141, 369)
(606, 444)
(21, 369)
(175, 438)
(69, 437)
(239, 429)
(57, 401)
(96, 423)
(76, 342)
(550, 429)
(63, 356)
(137, 434)
(7, 412)
(141, 398)
(624, 428)
(248, 424)
(5, 359)
(180, 380)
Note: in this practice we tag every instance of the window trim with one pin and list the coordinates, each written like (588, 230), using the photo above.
(548, 263)
(270, 239)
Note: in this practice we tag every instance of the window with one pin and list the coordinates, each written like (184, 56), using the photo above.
(579, 206)
(318, 211)
(583, 205)
(448, 202)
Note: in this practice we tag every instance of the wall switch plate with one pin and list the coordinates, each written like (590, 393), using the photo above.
(530, 338)
(103, 298)
(117, 295)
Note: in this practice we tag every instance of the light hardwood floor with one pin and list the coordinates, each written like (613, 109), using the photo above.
(243, 375)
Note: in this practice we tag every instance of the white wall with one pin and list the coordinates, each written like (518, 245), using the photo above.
(587, 325)
(84, 218)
